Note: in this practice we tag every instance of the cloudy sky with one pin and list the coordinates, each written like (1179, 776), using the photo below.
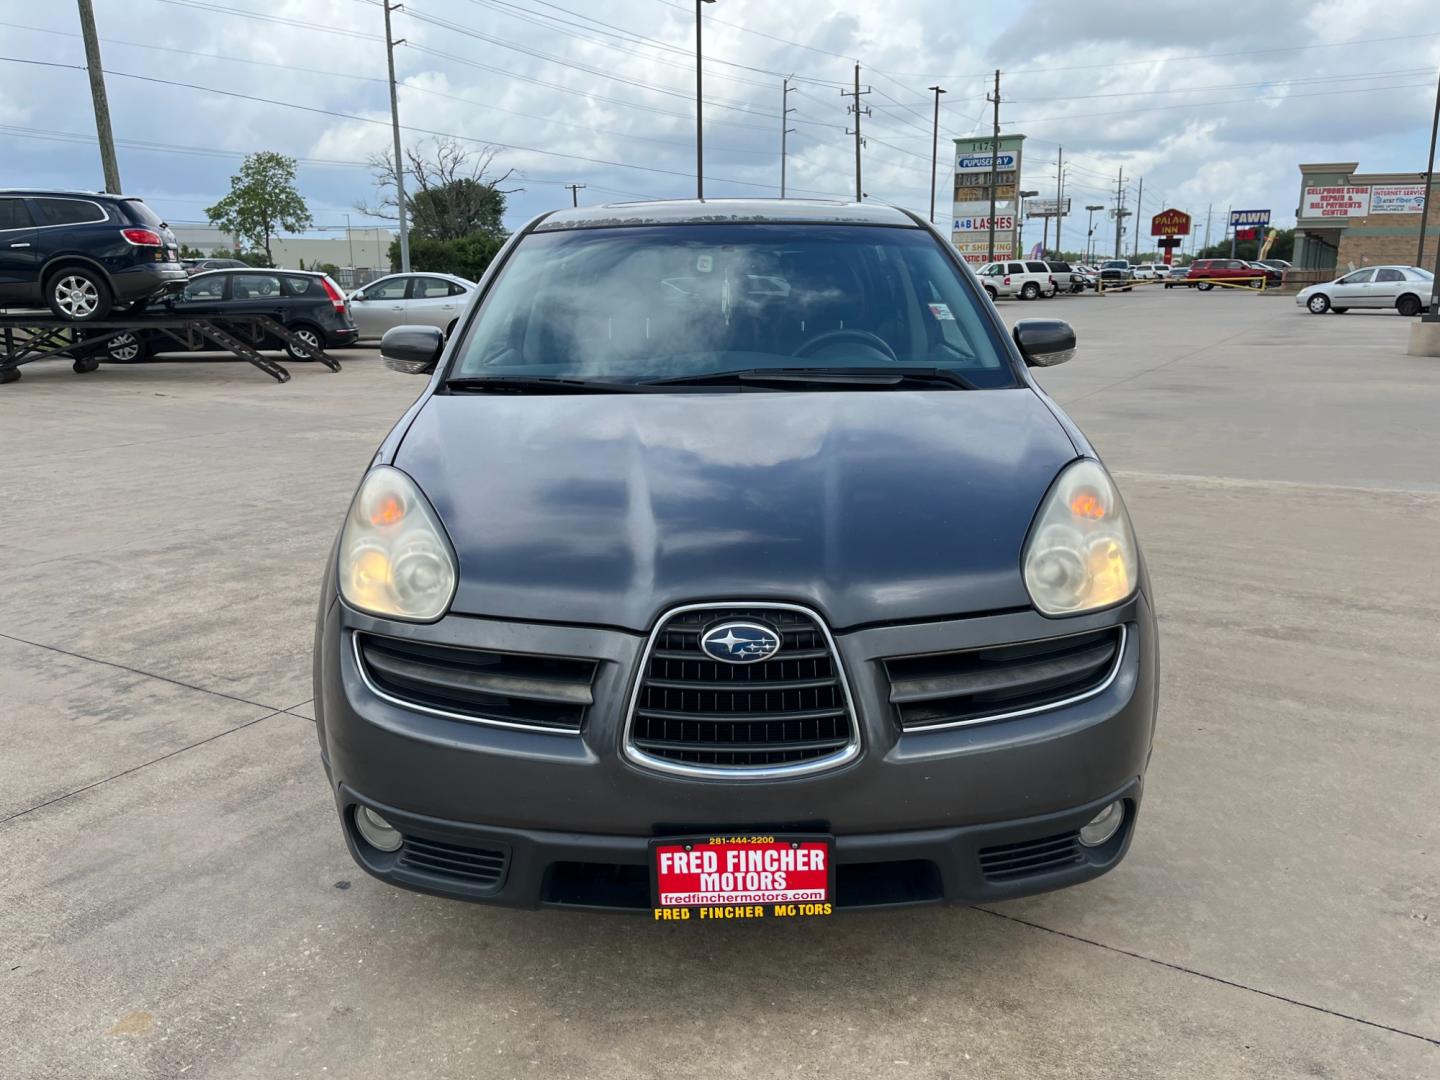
(1210, 105)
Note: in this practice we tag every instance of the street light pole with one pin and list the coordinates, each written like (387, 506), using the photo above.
(699, 108)
(934, 150)
(785, 131)
(1090, 231)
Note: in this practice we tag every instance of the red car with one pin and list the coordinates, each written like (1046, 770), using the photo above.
(1205, 272)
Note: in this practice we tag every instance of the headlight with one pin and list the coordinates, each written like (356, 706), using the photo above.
(394, 557)
(1081, 552)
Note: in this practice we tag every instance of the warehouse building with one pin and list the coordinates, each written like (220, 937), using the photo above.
(1346, 219)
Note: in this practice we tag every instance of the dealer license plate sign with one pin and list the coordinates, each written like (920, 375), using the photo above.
(742, 877)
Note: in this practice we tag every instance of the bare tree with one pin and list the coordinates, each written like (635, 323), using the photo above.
(449, 192)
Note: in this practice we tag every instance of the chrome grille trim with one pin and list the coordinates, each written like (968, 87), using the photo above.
(636, 755)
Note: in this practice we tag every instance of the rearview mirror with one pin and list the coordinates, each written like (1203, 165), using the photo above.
(412, 350)
(1043, 342)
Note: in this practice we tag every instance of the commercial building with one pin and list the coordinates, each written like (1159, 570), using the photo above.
(367, 251)
(1346, 219)
(974, 170)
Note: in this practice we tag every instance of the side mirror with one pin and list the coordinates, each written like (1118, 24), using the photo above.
(1043, 342)
(357, 296)
(412, 350)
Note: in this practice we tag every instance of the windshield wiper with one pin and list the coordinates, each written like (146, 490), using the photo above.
(539, 384)
(887, 378)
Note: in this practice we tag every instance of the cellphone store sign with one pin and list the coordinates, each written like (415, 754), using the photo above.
(1335, 202)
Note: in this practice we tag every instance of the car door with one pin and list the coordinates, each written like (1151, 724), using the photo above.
(1388, 285)
(380, 305)
(19, 256)
(1349, 291)
(431, 302)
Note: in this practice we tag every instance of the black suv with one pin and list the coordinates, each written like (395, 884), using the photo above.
(309, 305)
(84, 254)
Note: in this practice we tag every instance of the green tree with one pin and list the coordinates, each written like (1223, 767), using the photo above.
(1283, 248)
(263, 199)
(466, 257)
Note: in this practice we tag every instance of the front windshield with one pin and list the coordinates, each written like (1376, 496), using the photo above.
(1116, 264)
(655, 302)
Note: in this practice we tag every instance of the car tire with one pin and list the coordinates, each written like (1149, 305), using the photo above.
(1204, 286)
(1318, 304)
(456, 322)
(85, 364)
(310, 335)
(991, 293)
(1029, 291)
(1408, 305)
(78, 294)
(1339, 310)
(127, 348)
(9, 375)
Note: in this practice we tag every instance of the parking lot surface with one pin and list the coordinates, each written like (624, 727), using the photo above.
(176, 899)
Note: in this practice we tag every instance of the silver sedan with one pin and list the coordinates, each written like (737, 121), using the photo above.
(410, 299)
(1407, 289)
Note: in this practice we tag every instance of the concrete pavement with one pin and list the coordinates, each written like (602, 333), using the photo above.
(175, 898)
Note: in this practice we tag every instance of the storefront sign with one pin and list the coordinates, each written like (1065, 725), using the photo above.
(976, 163)
(981, 208)
(982, 193)
(1334, 202)
(1045, 208)
(967, 244)
(1397, 199)
(1242, 219)
(1170, 223)
(982, 224)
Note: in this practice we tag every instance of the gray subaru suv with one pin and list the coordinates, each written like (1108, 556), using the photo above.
(732, 565)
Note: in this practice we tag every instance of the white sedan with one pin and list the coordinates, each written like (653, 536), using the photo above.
(436, 300)
(1405, 288)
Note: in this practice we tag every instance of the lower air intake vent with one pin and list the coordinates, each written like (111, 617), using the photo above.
(1006, 862)
(972, 685)
(549, 693)
(694, 713)
(476, 866)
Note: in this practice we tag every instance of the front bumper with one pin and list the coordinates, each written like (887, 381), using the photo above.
(567, 809)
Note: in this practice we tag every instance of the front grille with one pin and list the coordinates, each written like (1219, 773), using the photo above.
(788, 712)
(1006, 862)
(475, 866)
(549, 693)
(944, 689)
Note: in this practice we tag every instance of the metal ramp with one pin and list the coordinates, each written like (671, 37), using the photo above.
(25, 339)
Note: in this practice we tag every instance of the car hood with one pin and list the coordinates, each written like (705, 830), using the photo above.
(608, 509)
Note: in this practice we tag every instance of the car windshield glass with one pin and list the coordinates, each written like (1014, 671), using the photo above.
(656, 302)
(1114, 264)
(143, 214)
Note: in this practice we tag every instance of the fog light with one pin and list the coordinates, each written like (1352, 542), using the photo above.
(1103, 825)
(380, 834)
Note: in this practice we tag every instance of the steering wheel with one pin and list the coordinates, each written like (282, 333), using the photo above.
(861, 337)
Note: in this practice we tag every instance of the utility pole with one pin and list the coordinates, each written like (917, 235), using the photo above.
(994, 161)
(350, 239)
(574, 193)
(390, 44)
(785, 111)
(859, 142)
(1090, 231)
(935, 150)
(1429, 178)
(699, 108)
(1119, 208)
(97, 95)
(1208, 208)
(1139, 199)
(1059, 193)
(1230, 228)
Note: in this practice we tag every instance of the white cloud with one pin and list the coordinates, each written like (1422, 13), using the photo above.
(1065, 66)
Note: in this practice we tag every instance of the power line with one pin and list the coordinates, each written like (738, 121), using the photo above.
(418, 130)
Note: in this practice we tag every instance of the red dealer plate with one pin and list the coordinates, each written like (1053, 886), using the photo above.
(722, 871)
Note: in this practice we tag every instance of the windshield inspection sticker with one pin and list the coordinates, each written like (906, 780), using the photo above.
(942, 312)
(705, 263)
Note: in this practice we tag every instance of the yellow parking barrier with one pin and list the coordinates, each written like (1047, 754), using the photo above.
(1247, 284)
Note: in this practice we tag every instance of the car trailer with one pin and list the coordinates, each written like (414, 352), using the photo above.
(27, 338)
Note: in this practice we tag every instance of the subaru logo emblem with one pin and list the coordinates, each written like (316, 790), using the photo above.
(740, 642)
